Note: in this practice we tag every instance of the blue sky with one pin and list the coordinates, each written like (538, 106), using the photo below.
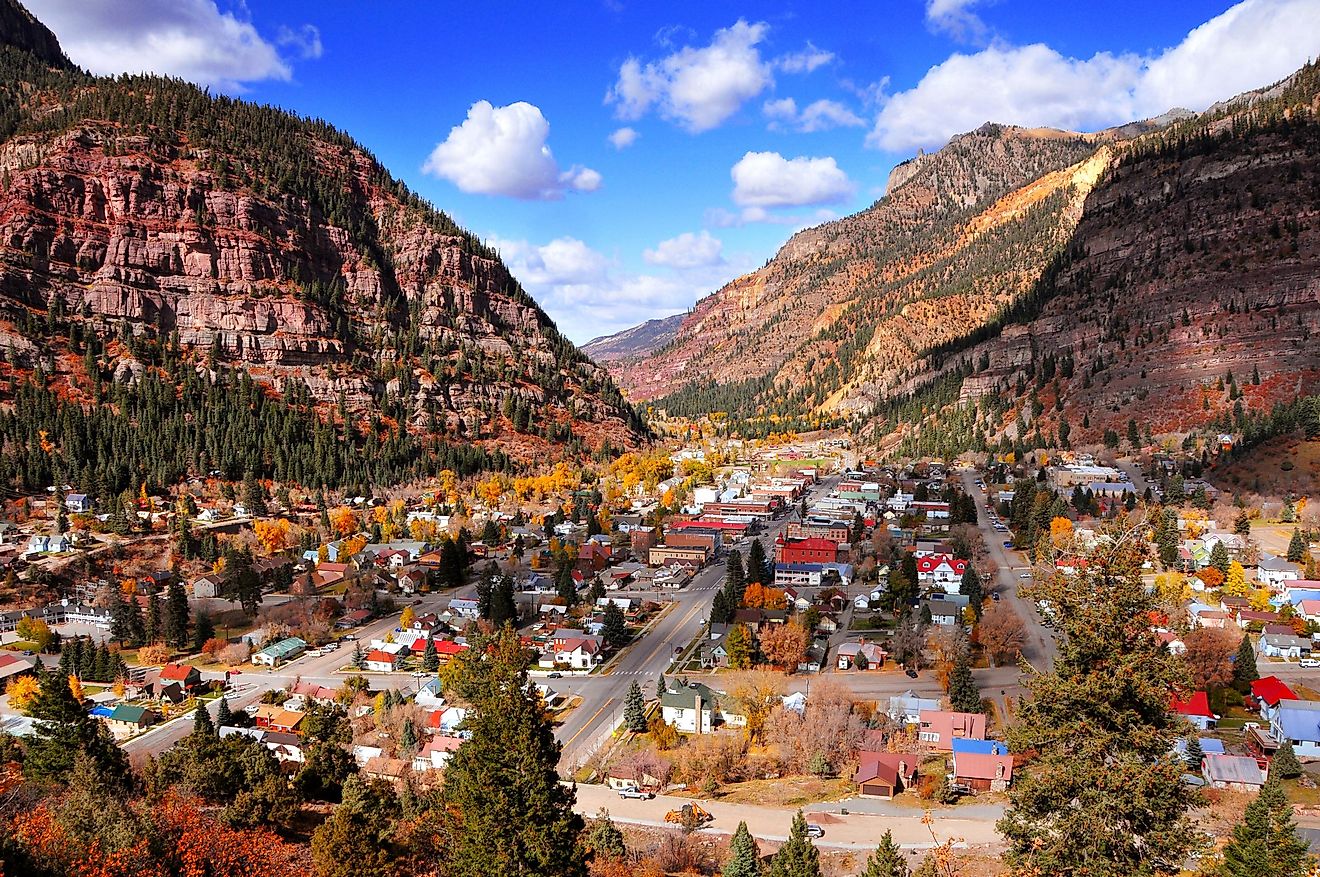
(628, 158)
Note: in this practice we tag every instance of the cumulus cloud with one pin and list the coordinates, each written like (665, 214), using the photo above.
(699, 88)
(589, 295)
(688, 250)
(804, 61)
(503, 151)
(623, 138)
(956, 18)
(821, 115)
(191, 39)
(1252, 44)
(768, 180)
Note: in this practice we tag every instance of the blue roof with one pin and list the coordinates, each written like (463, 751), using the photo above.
(101, 712)
(1298, 596)
(978, 747)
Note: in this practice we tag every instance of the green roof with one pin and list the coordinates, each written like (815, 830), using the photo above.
(284, 647)
(135, 715)
(684, 698)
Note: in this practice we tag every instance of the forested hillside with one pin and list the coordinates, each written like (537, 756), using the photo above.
(173, 261)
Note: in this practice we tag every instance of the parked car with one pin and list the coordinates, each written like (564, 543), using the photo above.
(911, 674)
(555, 675)
(995, 597)
(1024, 575)
(636, 793)
(814, 830)
(1309, 662)
(1008, 544)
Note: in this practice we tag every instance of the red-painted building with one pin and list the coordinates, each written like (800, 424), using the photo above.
(813, 550)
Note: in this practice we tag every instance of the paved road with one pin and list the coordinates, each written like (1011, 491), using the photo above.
(602, 695)
(1039, 649)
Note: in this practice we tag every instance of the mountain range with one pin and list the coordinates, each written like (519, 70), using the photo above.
(152, 233)
(1054, 278)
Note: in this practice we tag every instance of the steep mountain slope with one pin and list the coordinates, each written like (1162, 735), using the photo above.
(150, 232)
(634, 343)
(1012, 257)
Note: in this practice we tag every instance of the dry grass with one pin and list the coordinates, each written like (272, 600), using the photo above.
(1263, 471)
(785, 791)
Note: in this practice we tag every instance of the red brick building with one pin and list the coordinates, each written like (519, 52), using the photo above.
(813, 550)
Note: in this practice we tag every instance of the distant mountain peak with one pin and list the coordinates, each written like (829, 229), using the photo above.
(21, 30)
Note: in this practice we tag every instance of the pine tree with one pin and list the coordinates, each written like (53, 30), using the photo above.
(887, 860)
(121, 614)
(566, 586)
(152, 630)
(224, 717)
(505, 809)
(1194, 754)
(1285, 763)
(359, 658)
(744, 856)
(634, 709)
(615, 629)
(408, 736)
(1265, 843)
(756, 566)
(1244, 665)
(964, 695)
(503, 608)
(798, 857)
(1219, 558)
(203, 631)
(430, 657)
(1296, 547)
(735, 577)
(202, 724)
(176, 615)
(604, 840)
(1242, 525)
(63, 731)
(970, 587)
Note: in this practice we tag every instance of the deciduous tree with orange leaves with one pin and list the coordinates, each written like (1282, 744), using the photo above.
(273, 534)
(344, 521)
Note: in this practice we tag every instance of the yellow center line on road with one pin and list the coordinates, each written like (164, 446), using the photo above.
(693, 611)
(603, 707)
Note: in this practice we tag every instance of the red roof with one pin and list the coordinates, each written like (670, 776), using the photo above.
(379, 656)
(1198, 704)
(932, 562)
(449, 647)
(1271, 690)
(812, 544)
(176, 672)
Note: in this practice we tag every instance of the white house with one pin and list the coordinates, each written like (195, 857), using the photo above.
(1282, 645)
(1273, 571)
(907, 707)
(690, 709)
(1298, 723)
(941, 570)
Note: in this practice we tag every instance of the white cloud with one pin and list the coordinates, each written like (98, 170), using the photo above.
(589, 295)
(768, 180)
(804, 61)
(503, 151)
(697, 88)
(623, 138)
(191, 39)
(688, 250)
(821, 115)
(956, 18)
(306, 40)
(1252, 44)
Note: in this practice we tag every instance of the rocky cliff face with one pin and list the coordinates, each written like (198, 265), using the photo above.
(1153, 259)
(271, 244)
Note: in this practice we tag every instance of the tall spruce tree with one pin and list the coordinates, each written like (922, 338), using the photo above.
(430, 657)
(202, 723)
(1296, 547)
(744, 855)
(970, 587)
(735, 576)
(1285, 763)
(798, 856)
(1244, 665)
(1265, 843)
(756, 566)
(964, 695)
(152, 629)
(224, 717)
(63, 731)
(634, 709)
(1219, 558)
(887, 860)
(1105, 797)
(504, 808)
(615, 628)
(176, 615)
(1194, 754)
(203, 631)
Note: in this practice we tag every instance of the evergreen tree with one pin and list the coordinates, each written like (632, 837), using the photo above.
(359, 657)
(408, 736)
(202, 723)
(152, 629)
(430, 657)
(756, 566)
(224, 717)
(1242, 525)
(970, 587)
(887, 860)
(254, 495)
(604, 840)
(721, 612)
(1265, 843)
(964, 696)
(1285, 763)
(63, 731)
(1289, 513)
(506, 811)
(1194, 754)
(1219, 557)
(203, 631)
(176, 615)
(798, 856)
(1244, 665)
(634, 709)
(1105, 796)
(121, 614)
(744, 856)
(735, 577)
(503, 608)
(1296, 547)
(615, 629)
(566, 585)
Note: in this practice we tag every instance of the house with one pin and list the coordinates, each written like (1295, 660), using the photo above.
(187, 676)
(14, 666)
(941, 570)
(810, 550)
(691, 709)
(871, 656)
(982, 765)
(57, 544)
(944, 613)
(445, 721)
(580, 653)
(380, 661)
(1284, 645)
(465, 608)
(1269, 692)
(713, 653)
(1298, 722)
(885, 774)
(125, 721)
(939, 728)
(275, 717)
(284, 650)
(1274, 572)
(1196, 709)
(209, 586)
(286, 746)
(78, 503)
(436, 753)
(431, 693)
(906, 708)
(391, 770)
(356, 618)
(626, 775)
(1241, 773)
